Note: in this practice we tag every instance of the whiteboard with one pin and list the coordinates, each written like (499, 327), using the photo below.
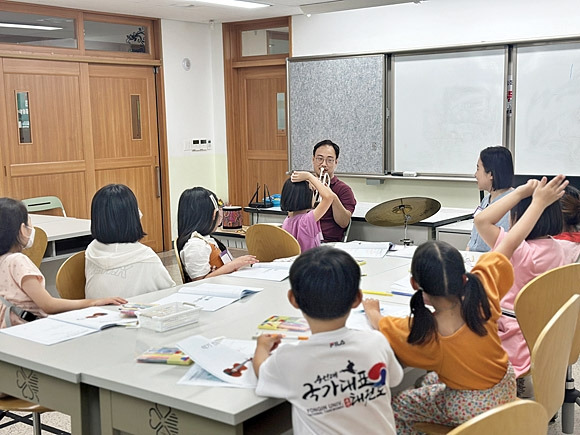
(446, 108)
(547, 109)
(341, 99)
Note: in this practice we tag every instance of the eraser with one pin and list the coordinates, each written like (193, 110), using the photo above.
(409, 174)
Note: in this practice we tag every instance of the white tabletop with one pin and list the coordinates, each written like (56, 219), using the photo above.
(60, 227)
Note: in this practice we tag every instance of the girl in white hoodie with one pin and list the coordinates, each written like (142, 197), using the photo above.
(116, 263)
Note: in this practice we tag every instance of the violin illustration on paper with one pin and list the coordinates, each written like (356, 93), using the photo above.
(237, 368)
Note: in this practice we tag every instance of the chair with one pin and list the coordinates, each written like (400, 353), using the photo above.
(550, 356)
(43, 203)
(13, 404)
(179, 264)
(269, 242)
(70, 278)
(534, 306)
(38, 248)
(514, 418)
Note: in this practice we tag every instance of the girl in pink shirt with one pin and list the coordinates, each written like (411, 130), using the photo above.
(537, 254)
(303, 221)
(22, 294)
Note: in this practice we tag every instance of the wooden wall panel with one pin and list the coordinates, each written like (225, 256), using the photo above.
(69, 187)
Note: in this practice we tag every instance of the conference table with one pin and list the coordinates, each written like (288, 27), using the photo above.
(96, 379)
(361, 230)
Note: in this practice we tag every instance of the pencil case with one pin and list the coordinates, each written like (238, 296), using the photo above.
(168, 316)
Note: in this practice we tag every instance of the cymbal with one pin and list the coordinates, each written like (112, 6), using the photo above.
(392, 213)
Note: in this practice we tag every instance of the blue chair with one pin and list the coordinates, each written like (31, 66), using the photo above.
(43, 203)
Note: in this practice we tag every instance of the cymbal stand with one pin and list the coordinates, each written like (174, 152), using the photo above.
(406, 241)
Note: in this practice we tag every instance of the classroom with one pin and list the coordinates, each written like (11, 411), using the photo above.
(190, 98)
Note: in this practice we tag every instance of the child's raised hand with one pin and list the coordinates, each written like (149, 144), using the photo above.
(527, 189)
(298, 176)
(109, 301)
(548, 192)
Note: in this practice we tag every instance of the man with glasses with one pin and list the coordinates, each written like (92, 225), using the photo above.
(336, 219)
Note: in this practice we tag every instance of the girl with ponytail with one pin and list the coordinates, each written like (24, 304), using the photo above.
(456, 339)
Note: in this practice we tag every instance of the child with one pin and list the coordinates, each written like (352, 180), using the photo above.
(459, 340)
(115, 262)
(569, 238)
(23, 297)
(338, 380)
(534, 256)
(303, 222)
(494, 174)
(202, 256)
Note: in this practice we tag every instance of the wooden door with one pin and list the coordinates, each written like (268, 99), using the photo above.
(262, 136)
(125, 142)
(52, 159)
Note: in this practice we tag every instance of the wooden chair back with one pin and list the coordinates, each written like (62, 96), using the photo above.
(269, 242)
(38, 248)
(550, 356)
(542, 297)
(43, 203)
(70, 278)
(514, 418)
(179, 264)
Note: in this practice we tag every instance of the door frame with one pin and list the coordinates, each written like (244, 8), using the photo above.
(233, 64)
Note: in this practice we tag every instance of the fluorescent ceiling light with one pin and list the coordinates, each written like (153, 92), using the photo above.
(236, 3)
(28, 26)
(344, 5)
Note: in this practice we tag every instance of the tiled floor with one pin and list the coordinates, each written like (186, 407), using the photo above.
(62, 421)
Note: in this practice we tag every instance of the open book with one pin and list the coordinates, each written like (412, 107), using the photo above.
(273, 271)
(68, 325)
(365, 249)
(222, 361)
(210, 297)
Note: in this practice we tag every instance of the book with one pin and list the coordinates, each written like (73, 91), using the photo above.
(272, 271)
(222, 361)
(66, 326)
(165, 355)
(285, 323)
(365, 249)
(94, 318)
(210, 297)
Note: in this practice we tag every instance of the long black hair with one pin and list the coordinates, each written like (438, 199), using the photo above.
(13, 214)
(197, 211)
(439, 270)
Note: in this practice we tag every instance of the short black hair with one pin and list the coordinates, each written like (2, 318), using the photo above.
(325, 282)
(195, 212)
(570, 204)
(296, 196)
(498, 160)
(327, 142)
(13, 214)
(549, 224)
(115, 215)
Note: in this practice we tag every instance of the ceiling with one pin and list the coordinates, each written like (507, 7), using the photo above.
(197, 11)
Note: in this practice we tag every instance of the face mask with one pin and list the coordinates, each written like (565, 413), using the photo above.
(140, 214)
(30, 239)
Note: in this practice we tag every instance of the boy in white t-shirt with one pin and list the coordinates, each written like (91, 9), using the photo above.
(338, 380)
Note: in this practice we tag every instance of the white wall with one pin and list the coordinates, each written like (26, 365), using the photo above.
(195, 100)
(195, 108)
(434, 23)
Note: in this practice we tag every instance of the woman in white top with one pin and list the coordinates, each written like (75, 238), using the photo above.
(198, 215)
(116, 263)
